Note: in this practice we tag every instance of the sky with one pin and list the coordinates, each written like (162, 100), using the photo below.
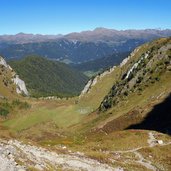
(65, 16)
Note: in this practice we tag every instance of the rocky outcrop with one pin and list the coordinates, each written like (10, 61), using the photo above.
(3, 62)
(93, 81)
(129, 57)
(20, 84)
(87, 87)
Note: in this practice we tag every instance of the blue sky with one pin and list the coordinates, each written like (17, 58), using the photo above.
(64, 16)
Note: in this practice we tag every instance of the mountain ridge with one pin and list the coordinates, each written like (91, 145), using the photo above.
(99, 31)
(77, 47)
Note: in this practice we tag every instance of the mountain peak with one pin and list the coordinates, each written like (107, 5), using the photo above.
(100, 28)
(21, 33)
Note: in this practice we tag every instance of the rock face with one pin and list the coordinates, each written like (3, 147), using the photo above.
(86, 88)
(3, 62)
(129, 57)
(20, 84)
(21, 87)
(93, 81)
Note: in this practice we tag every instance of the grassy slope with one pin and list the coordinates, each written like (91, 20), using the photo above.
(145, 99)
(99, 90)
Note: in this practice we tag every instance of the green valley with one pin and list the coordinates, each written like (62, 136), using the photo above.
(108, 122)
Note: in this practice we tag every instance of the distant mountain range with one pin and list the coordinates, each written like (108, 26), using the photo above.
(21, 38)
(77, 47)
(97, 35)
(115, 36)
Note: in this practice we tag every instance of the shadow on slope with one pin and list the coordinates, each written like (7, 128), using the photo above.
(159, 119)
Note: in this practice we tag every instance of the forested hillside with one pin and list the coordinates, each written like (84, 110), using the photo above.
(44, 77)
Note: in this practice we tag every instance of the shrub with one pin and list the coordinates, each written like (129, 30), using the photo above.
(20, 104)
(24, 105)
(139, 79)
(108, 103)
(4, 112)
(7, 107)
(157, 78)
(125, 93)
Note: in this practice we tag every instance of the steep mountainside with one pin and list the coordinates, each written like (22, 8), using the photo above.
(44, 77)
(144, 81)
(145, 68)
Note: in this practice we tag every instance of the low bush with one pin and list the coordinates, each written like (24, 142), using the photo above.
(4, 112)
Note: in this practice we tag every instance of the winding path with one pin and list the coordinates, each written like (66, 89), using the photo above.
(151, 141)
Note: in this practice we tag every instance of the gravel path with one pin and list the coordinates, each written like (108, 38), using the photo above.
(152, 142)
(144, 162)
